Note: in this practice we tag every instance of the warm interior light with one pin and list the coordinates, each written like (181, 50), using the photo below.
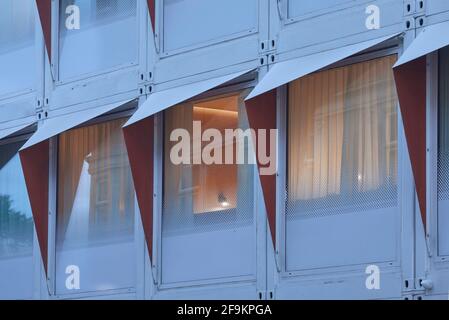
(222, 200)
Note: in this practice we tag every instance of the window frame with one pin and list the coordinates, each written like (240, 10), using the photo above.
(135, 292)
(158, 205)
(281, 181)
(432, 125)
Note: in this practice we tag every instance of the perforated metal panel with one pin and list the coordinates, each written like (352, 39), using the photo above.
(208, 218)
(107, 36)
(443, 153)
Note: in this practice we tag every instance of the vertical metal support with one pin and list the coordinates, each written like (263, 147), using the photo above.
(156, 267)
(52, 212)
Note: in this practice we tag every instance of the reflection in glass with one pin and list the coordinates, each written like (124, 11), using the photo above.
(95, 219)
(17, 45)
(107, 37)
(16, 227)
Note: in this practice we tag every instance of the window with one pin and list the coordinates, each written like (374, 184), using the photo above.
(194, 22)
(107, 37)
(16, 228)
(443, 153)
(342, 150)
(299, 8)
(17, 45)
(95, 219)
(207, 223)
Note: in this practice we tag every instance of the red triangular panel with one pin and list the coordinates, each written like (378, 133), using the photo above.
(261, 111)
(35, 166)
(411, 88)
(44, 8)
(152, 12)
(139, 143)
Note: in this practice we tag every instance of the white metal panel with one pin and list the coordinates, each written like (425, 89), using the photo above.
(55, 126)
(436, 6)
(15, 111)
(162, 100)
(298, 8)
(332, 27)
(286, 71)
(188, 23)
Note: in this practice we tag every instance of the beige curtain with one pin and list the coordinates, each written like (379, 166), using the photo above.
(342, 130)
(93, 167)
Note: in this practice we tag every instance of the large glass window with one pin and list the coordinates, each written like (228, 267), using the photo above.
(95, 219)
(443, 153)
(17, 45)
(299, 8)
(107, 36)
(342, 162)
(208, 229)
(16, 228)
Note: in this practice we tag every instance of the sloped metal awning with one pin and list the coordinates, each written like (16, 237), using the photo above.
(286, 71)
(139, 139)
(35, 159)
(410, 74)
(165, 99)
(430, 39)
(6, 132)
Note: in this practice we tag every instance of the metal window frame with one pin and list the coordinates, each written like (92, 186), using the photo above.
(135, 292)
(433, 96)
(258, 201)
(386, 266)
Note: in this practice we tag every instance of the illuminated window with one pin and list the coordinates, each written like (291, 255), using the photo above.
(95, 219)
(201, 197)
(342, 150)
(342, 176)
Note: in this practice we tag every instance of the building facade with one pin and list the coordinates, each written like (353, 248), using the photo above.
(349, 200)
